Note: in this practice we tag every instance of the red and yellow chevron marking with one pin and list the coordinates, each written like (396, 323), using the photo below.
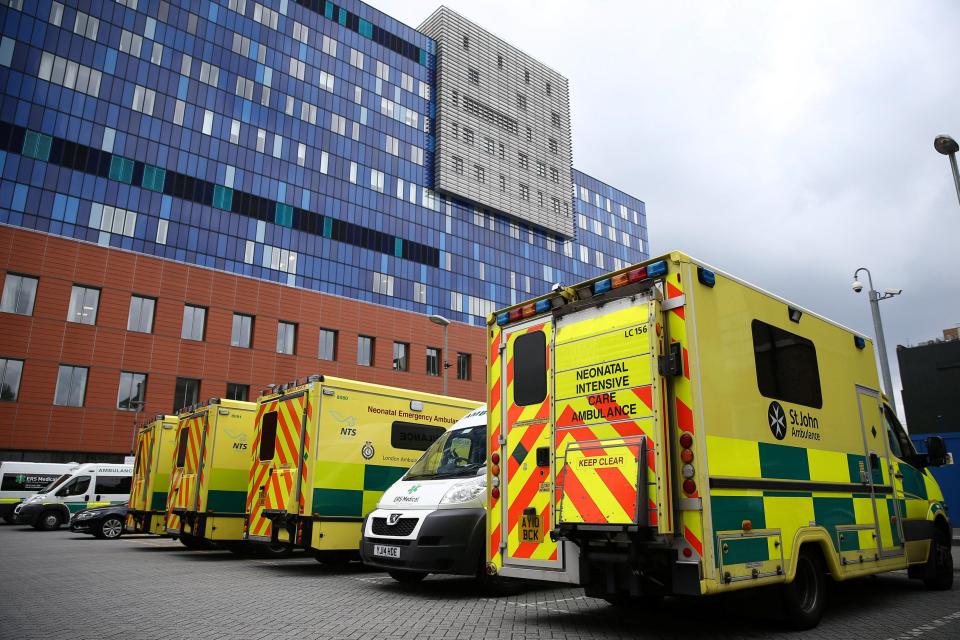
(598, 482)
(199, 503)
(528, 486)
(142, 465)
(182, 480)
(690, 521)
(273, 481)
(494, 391)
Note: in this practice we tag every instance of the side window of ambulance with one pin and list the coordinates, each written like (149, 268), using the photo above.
(113, 484)
(786, 365)
(900, 444)
(75, 487)
(530, 369)
(182, 448)
(268, 436)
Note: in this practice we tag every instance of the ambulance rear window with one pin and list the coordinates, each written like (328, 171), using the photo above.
(530, 369)
(182, 448)
(268, 436)
(786, 366)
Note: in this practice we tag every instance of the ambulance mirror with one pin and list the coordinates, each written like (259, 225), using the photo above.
(936, 451)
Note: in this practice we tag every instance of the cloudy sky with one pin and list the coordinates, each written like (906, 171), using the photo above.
(785, 142)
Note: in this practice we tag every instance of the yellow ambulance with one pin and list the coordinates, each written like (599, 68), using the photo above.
(153, 461)
(211, 463)
(324, 451)
(669, 429)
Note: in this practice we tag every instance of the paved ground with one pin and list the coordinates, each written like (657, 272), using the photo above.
(57, 585)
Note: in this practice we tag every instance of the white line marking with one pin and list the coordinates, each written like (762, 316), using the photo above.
(930, 626)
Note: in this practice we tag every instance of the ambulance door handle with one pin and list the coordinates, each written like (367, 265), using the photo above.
(86, 498)
(898, 475)
(98, 498)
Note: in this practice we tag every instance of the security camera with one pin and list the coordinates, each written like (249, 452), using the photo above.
(556, 287)
(893, 292)
(857, 286)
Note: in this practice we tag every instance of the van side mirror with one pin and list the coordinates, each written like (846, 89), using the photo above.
(937, 455)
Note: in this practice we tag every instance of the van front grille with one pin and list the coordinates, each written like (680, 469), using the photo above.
(403, 527)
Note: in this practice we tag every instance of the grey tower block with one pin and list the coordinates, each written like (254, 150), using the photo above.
(502, 125)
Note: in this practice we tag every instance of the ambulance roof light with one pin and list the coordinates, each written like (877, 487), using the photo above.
(602, 286)
(543, 306)
(658, 268)
(859, 342)
(706, 277)
(503, 318)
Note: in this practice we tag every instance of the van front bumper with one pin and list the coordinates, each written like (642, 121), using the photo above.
(27, 513)
(448, 541)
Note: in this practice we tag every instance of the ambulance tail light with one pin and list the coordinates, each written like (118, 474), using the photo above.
(495, 458)
(495, 492)
(689, 487)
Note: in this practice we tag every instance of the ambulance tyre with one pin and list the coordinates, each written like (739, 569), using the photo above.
(338, 559)
(48, 521)
(939, 574)
(804, 598)
(649, 601)
(190, 542)
(275, 550)
(407, 577)
(8, 519)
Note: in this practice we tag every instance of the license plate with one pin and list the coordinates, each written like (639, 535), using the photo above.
(386, 551)
(530, 529)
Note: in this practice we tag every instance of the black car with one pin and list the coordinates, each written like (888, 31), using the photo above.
(103, 522)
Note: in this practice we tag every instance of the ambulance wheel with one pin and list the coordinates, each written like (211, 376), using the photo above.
(110, 528)
(190, 542)
(804, 598)
(939, 575)
(275, 550)
(648, 601)
(407, 577)
(337, 559)
(48, 521)
(8, 519)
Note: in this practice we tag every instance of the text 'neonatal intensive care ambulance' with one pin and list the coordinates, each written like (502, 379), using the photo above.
(151, 476)
(20, 480)
(433, 519)
(211, 464)
(325, 450)
(671, 429)
(89, 485)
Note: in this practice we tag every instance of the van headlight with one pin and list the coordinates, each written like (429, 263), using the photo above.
(85, 515)
(465, 491)
(33, 499)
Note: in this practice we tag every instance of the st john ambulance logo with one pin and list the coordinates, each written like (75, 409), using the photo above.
(778, 421)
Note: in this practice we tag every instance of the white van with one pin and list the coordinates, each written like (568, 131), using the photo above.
(432, 520)
(89, 485)
(19, 480)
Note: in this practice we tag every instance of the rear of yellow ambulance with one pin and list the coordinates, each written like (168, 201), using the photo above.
(581, 482)
(184, 476)
(279, 467)
(151, 476)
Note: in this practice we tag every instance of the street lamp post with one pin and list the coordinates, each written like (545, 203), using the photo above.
(948, 146)
(875, 299)
(138, 404)
(443, 322)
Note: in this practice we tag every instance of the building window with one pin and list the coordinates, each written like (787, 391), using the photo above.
(524, 161)
(468, 135)
(194, 322)
(529, 134)
(526, 76)
(242, 332)
(133, 391)
(433, 361)
(382, 284)
(463, 366)
(71, 386)
(10, 371)
(521, 101)
(185, 393)
(524, 192)
(499, 62)
(365, 351)
(549, 88)
(555, 118)
(480, 173)
(553, 145)
(466, 42)
(554, 174)
(503, 182)
(400, 353)
(556, 205)
(474, 76)
(19, 293)
(83, 305)
(140, 318)
(491, 147)
(419, 292)
(458, 164)
(238, 391)
(541, 169)
(286, 337)
(328, 344)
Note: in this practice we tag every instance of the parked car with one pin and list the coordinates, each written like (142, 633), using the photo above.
(102, 522)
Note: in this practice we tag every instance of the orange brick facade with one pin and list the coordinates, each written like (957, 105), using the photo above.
(32, 426)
